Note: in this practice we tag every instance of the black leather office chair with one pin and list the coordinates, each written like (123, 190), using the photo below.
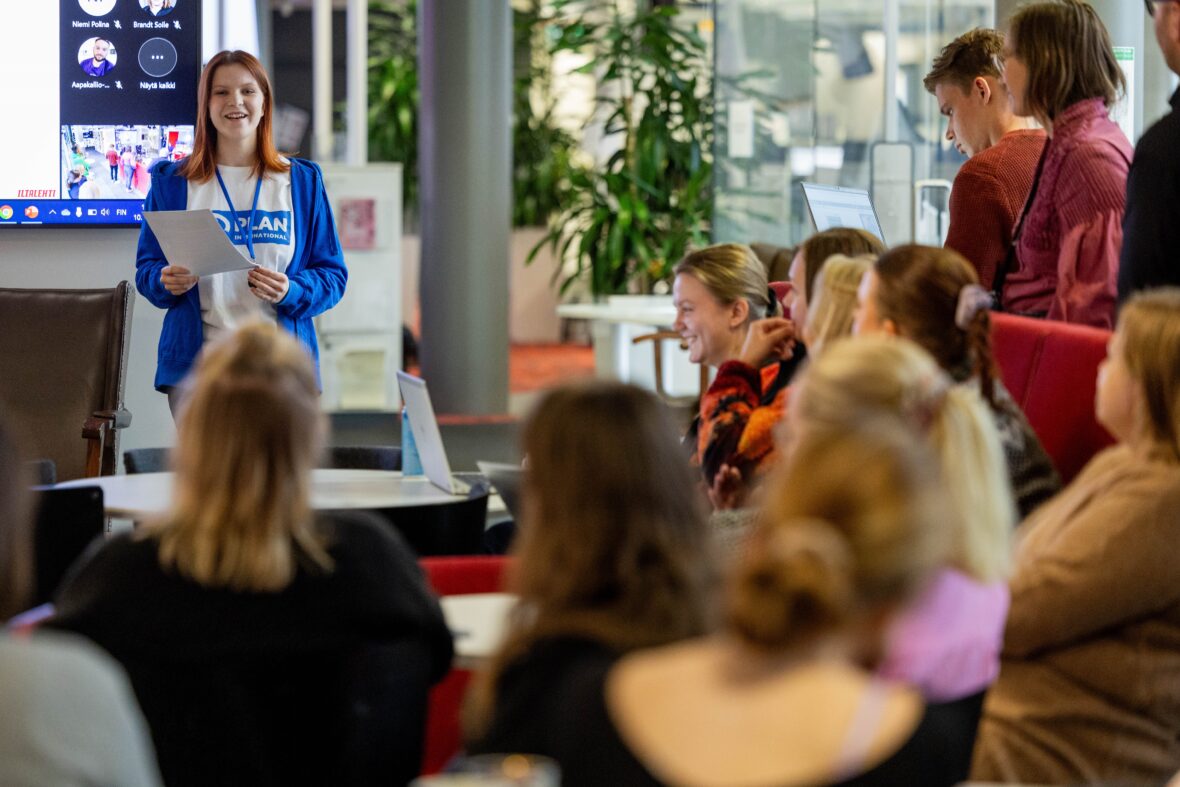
(364, 457)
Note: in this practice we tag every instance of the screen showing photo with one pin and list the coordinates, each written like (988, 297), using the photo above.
(106, 89)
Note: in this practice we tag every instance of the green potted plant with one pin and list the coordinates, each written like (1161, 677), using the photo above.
(631, 218)
(393, 91)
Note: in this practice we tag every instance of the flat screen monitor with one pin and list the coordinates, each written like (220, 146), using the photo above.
(834, 206)
(97, 91)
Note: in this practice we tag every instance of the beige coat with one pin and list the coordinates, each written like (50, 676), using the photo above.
(1089, 687)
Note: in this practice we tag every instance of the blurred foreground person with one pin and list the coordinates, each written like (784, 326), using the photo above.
(268, 645)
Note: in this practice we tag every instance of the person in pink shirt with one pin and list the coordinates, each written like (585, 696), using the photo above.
(946, 641)
(140, 178)
(1060, 69)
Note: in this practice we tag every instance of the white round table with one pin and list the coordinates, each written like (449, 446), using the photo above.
(478, 622)
(143, 495)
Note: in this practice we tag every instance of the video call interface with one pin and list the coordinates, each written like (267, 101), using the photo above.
(106, 89)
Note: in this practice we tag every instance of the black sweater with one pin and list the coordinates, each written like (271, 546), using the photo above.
(551, 702)
(270, 688)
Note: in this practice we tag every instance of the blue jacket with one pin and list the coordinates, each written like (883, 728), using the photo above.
(316, 273)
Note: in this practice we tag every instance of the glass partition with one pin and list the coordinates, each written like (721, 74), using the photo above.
(808, 90)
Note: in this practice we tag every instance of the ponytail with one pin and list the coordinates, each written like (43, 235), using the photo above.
(972, 318)
(934, 298)
(976, 478)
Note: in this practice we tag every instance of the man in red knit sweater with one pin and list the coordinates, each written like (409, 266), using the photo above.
(1001, 149)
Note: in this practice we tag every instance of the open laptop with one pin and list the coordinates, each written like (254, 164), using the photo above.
(505, 478)
(427, 438)
(834, 206)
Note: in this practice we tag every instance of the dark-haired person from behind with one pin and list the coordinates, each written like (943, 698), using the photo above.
(1002, 149)
(613, 554)
(67, 713)
(265, 642)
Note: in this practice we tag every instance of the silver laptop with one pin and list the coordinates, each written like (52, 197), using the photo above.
(505, 478)
(834, 206)
(426, 435)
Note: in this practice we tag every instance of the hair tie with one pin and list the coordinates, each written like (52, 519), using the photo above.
(931, 397)
(972, 299)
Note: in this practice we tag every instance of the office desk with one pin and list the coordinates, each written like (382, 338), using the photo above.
(143, 495)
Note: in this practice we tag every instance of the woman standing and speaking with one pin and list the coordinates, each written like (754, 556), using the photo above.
(274, 209)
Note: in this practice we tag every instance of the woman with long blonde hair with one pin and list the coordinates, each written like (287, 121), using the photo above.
(1091, 657)
(947, 642)
(241, 615)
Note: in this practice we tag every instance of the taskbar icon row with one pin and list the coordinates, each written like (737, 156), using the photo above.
(67, 212)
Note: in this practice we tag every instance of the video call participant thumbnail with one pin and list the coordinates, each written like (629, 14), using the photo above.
(99, 59)
(158, 7)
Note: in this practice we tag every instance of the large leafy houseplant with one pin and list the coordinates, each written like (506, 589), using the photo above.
(542, 151)
(393, 90)
(631, 218)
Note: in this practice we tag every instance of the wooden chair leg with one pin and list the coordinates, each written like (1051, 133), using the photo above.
(94, 431)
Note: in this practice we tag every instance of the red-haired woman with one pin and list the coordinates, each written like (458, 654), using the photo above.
(273, 208)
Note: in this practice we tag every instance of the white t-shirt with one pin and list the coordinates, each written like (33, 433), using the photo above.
(68, 717)
(226, 300)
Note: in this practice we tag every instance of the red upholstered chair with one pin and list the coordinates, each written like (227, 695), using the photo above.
(1050, 368)
(454, 576)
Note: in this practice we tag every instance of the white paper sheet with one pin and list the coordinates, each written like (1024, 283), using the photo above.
(193, 239)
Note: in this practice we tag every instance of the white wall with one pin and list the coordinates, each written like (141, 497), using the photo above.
(83, 258)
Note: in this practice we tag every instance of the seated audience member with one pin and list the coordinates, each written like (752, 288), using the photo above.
(1001, 149)
(612, 555)
(813, 254)
(947, 641)
(262, 640)
(833, 302)
(729, 318)
(833, 306)
(67, 714)
(756, 358)
(1060, 69)
(854, 524)
(932, 297)
(1091, 659)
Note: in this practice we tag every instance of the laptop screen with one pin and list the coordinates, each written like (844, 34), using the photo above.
(426, 435)
(833, 206)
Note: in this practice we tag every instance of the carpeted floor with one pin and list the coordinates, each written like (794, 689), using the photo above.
(535, 367)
